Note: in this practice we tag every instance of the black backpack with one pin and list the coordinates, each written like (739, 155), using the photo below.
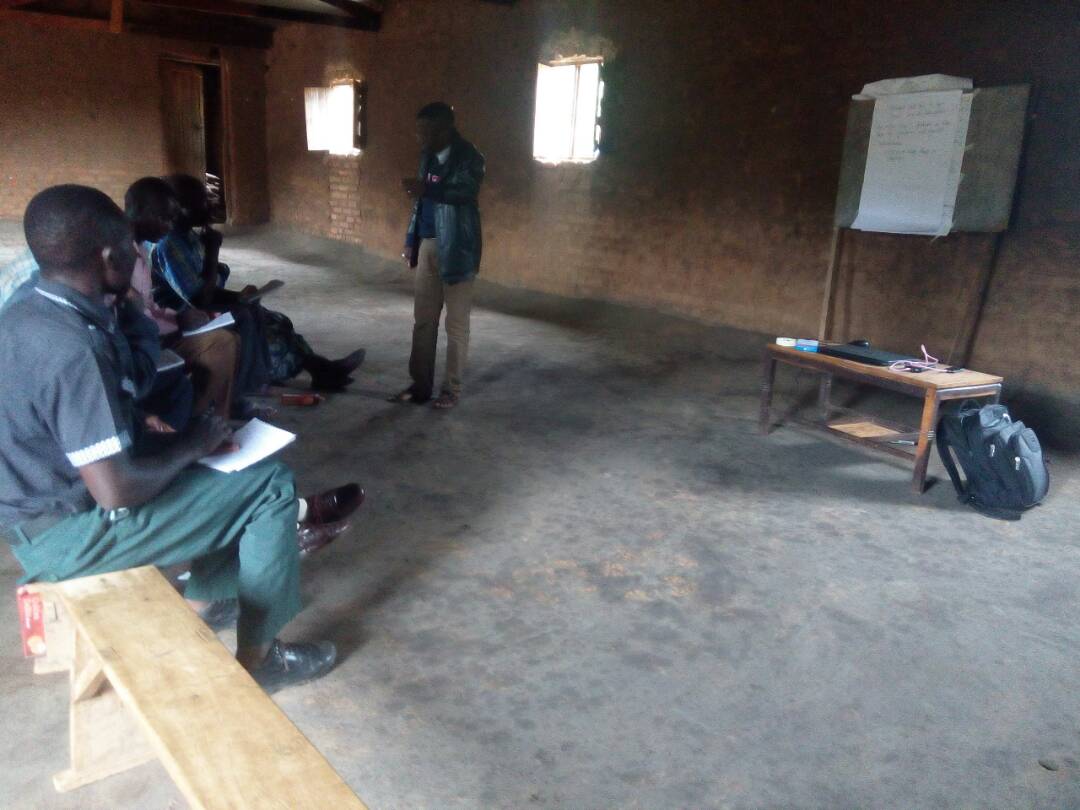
(1002, 460)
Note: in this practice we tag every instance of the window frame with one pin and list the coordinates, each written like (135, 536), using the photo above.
(326, 139)
(597, 133)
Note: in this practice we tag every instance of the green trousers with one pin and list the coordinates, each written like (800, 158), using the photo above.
(238, 530)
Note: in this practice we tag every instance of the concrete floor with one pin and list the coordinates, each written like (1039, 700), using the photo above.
(594, 586)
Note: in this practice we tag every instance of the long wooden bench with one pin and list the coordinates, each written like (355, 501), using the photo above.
(149, 678)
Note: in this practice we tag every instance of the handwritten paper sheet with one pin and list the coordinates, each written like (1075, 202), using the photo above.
(256, 440)
(913, 163)
(952, 187)
(168, 361)
(220, 322)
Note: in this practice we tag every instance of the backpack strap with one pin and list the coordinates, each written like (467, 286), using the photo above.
(943, 446)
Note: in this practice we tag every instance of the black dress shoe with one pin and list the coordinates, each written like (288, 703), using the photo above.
(221, 614)
(292, 664)
(311, 537)
(350, 362)
(334, 505)
(333, 375)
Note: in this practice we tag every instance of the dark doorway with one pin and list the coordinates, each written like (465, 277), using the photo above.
(195, 125)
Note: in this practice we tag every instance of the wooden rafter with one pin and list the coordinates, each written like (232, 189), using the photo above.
(116, 16)
(232, 8)
(208, 29)
(197, 30)
(358, 10)
(54, 20)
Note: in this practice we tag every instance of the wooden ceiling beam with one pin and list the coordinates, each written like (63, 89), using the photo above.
(54, 20)
(244, 35)
(209, 30)
(231, 8)
(358, 10)
(116, 16)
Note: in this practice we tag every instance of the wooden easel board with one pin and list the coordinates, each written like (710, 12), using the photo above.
(988, 174)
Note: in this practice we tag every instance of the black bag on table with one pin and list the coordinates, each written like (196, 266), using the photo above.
(1002, 460)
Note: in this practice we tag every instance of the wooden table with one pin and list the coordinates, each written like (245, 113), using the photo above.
(932, 387)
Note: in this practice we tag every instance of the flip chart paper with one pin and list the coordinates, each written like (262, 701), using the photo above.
(913, 163)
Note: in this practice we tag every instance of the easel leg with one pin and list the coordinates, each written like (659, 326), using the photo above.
(825, 323)
(104, 738)
(768, 376)
(926, 431)
(824, 392)
(964, 343)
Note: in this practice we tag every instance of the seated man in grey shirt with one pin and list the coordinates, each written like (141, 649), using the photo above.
(76, 500)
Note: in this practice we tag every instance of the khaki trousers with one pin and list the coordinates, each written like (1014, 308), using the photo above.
(211, 358)
(431, 294)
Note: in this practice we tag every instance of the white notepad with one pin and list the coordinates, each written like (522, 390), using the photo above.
(169, 360)
(220, 322)
(257, 441)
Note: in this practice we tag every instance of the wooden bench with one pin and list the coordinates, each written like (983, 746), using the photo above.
(150, 679)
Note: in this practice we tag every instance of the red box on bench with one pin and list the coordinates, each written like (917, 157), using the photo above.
(31, 622)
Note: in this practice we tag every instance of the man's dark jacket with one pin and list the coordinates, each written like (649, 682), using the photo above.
(457, 214)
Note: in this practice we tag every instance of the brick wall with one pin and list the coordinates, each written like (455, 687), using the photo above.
(85, 107)
(726, 123)
(343, 182)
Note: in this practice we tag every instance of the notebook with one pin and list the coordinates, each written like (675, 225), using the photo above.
(168, 361)
(220, 322)
(255, 441)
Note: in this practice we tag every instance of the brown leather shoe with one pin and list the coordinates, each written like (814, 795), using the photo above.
(334, 505)
(312, 537)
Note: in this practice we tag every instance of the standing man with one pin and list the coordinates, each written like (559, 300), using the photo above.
(443, 244)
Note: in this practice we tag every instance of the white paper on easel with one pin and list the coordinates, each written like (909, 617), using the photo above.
(909, 185)
(915, 84)
(952, 187)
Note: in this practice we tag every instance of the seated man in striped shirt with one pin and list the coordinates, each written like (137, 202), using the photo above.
(211, 357)
(188, 274)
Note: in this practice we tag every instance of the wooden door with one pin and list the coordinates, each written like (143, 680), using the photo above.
(184, 117)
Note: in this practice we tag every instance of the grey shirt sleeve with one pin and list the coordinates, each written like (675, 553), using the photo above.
(83, 407)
